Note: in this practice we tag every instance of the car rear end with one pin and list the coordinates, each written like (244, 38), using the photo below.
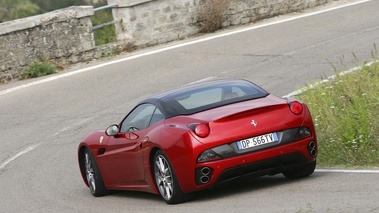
(236, 130)
(265, 136)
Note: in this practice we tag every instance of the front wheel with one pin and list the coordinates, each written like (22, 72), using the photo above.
(300, 172)
(93, 176)
(166, 181)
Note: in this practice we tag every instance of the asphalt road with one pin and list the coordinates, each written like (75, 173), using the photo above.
(42, 124)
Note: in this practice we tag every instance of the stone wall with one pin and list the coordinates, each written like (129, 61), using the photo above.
(151, 22)
(65, 36)
(56, 35)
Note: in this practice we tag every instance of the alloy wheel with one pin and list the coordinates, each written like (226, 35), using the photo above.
(164, 177)
(90, 173)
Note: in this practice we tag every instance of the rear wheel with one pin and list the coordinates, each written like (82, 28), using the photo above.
(300, 172)
(93, 176)
(166, 181)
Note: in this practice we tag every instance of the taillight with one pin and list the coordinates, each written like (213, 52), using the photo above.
(296, 107)
(303, 132)
(207, 156)
(201, 130)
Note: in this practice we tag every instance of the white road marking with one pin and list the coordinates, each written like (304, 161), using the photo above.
(204, 79)
(362, 171)
(77, 124)
(28, 149)
(3, 92)
(299, 91)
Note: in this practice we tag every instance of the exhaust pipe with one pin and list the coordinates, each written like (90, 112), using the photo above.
(203, 175)
(205, 171)
(312, 149)
(204, 179)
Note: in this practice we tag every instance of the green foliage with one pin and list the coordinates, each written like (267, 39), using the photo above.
(38, 69)
(50, 5)
(346, 112)
(105, 34)
(14, 9)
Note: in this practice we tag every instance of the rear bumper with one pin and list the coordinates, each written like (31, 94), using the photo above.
(270, 166)
(265, 162)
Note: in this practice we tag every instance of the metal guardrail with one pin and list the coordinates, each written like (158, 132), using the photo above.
(104, 8)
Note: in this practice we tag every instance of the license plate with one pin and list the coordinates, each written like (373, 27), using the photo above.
(257, 141)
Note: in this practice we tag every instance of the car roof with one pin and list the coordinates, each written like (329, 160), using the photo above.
(171, 102)
(196, 86)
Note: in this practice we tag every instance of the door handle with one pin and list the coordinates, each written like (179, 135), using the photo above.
(145, 139)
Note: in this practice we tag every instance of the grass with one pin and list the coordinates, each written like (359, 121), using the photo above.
(105, 34)
(346, 117)
(38, 69)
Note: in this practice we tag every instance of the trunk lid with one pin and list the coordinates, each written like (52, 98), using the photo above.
(247, 119)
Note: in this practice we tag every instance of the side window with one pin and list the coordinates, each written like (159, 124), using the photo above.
(157, 116)
(138, 119)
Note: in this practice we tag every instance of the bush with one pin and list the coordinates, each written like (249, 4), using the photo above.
(38, 69)
(213, 15)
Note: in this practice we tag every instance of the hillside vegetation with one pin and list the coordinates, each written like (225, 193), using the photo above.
(345, 111)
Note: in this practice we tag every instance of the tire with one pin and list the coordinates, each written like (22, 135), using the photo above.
(93, 175)
(166, 181)
(300, 172)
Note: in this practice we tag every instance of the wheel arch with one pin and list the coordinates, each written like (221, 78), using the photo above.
(178, 195)
(81, 162)
(151, 157)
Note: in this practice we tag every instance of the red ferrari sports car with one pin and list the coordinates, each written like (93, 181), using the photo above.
(200, 136)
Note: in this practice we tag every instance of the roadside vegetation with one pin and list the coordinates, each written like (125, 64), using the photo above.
(38, 69)
(213, 14)
(345, 111)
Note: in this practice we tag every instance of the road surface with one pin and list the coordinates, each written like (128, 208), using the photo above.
(43, 121)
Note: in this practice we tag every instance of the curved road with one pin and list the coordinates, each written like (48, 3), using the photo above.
(42, 121)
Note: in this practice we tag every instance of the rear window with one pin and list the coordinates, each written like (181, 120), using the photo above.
(201, 98)
(207, 97)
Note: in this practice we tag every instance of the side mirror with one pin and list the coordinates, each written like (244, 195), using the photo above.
(112, 130)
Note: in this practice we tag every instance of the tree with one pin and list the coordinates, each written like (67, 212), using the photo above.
(14, 9)
(50, 5)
